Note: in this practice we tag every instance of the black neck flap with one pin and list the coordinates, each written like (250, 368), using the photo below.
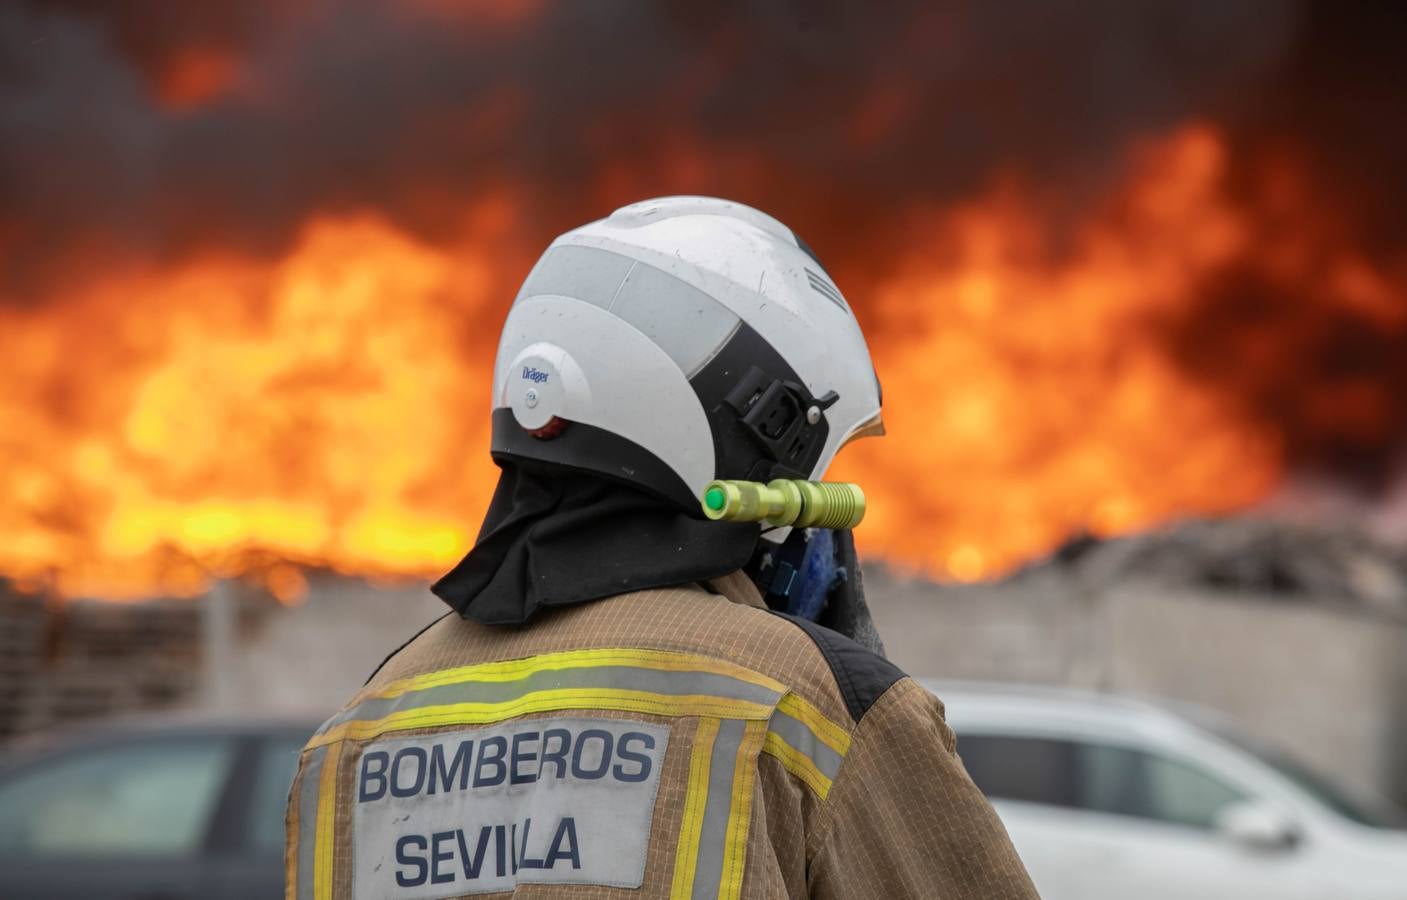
(554, 536)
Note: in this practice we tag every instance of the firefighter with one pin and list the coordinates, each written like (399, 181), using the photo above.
(630, 699)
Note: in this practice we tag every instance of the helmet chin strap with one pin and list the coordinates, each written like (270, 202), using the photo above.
(815, 574)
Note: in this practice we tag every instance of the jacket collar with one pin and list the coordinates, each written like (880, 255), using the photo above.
(737, 587)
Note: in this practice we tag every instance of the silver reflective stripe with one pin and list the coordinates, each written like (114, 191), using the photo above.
(308, 821)
(803, 740)
(584, 273)
(656, 681)
(713, 836)
(685, 322)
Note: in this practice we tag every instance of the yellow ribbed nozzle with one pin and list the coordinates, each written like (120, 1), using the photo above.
(804, 504)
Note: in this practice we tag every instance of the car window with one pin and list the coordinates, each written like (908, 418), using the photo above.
(1096, 777)
(147, 798)
(278, 762)
(1034, 770)
(1132, 782)
(1113, 780)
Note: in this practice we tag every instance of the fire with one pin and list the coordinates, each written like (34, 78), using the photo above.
(1031, 396)
(329, 409)
(230, 415)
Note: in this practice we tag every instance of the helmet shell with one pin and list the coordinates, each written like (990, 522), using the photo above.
(680, 340)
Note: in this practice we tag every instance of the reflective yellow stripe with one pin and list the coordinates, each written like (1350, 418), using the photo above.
(740, 812)
(797, 763)
(691, 825)
(515, 669)
(545, 701)
(648, 681)
(327, 819)
(831, 734)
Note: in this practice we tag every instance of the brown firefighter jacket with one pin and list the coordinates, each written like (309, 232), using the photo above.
(681, 742)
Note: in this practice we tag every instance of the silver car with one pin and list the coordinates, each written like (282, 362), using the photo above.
(1111, 798)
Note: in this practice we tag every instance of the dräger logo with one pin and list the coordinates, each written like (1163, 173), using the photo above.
(535, 375)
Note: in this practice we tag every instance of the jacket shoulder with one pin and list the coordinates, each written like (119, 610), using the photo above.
(861, 675)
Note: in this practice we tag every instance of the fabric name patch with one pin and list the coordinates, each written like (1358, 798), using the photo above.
(559, 801)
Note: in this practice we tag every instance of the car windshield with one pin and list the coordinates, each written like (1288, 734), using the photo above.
(1376, 812)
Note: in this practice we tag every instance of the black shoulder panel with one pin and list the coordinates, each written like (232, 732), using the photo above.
(863, 676)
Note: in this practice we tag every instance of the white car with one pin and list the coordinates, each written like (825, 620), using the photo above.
(1113, 799)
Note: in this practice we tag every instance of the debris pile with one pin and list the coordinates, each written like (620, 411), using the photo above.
(62, 662)
(1283, 561)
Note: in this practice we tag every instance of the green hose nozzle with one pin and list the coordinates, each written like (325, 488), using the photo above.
(804, 504)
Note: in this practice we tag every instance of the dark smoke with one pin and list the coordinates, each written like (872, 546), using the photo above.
(826, 114)
(1333, 381)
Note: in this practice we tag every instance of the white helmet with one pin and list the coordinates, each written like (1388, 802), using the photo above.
(680, 340)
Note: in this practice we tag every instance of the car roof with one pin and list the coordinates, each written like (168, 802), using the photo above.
(160, 726)
(1065, 711)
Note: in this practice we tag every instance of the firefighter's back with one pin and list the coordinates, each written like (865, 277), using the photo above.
(668, 743)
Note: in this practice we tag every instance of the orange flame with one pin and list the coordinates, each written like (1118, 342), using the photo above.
(229, 416)
(329, 409)
(1028, 399)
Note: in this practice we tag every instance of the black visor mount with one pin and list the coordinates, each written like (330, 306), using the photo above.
(766, 424)
(782, 417)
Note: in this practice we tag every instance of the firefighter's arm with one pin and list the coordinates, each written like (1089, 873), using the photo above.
(903, 819)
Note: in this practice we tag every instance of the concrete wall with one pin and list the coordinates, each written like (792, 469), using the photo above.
(310, 658)
(1323, 681)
